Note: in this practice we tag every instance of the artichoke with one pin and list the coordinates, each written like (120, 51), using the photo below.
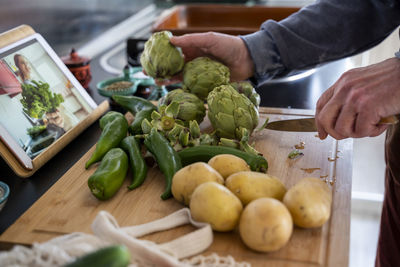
(165, 120)
(190, 106)
(202, 75)
(248, 90)
(229, 112)
(160, 59)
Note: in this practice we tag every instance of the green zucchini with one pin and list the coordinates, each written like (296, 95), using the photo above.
(205, 152)
(112, 256)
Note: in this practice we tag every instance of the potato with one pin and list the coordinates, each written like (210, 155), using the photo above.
(227, 164)
(309, 201)
(249, 185)
(265, 225)
(188, 178)
(215, 204)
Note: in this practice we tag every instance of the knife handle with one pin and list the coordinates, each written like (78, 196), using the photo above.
(390, 119)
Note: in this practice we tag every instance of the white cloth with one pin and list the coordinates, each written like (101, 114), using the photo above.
(61, 250)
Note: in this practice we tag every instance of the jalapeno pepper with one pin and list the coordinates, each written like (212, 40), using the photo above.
(133, 104)
(137, 163)
(206, 152)
(114, 129)
(109, 176)
(108, 117)
(136, 126)
(167, 158)
(113, 255)
(139, 107)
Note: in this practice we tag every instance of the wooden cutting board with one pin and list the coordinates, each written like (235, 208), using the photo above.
(68, 206)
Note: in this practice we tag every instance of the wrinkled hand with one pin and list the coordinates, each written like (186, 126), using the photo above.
(354, 105)
(227, 49)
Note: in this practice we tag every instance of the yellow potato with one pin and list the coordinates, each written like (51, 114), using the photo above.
(309, 201)
(227, 164)
(188, 178)
(215, 204)
(249, 185)
(265, 225)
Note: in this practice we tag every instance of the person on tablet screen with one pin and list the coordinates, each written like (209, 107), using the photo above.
(24, 69)
(37, 87)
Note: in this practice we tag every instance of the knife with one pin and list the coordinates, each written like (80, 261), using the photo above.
(308, 124)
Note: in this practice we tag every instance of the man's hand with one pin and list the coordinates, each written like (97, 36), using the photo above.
(227, 49)
(354, 105)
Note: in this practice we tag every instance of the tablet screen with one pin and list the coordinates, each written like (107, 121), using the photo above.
(40, 100)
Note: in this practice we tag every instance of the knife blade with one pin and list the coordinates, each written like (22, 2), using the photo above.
(295, 125)
(308, 124)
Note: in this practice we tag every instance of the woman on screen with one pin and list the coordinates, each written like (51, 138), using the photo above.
(24, 70)
(25, 74)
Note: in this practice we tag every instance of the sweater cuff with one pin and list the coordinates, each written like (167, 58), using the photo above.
(397, 54)
(265, 55)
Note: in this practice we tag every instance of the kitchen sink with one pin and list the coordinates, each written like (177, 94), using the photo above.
(301, 89)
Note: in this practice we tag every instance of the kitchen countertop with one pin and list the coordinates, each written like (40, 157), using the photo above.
(55, 213)
(25, 191)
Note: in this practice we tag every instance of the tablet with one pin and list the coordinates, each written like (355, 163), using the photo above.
(40, 99)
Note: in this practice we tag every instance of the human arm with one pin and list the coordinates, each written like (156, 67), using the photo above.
(321, 32)
(334, 29)
(329, 30)
(227, 49)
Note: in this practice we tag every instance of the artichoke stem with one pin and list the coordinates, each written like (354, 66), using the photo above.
(172, 109)
(146, 126)
(167, 123)
(194, 129)
(228, 142)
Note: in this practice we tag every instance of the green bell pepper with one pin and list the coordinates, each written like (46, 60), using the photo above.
(109, 176)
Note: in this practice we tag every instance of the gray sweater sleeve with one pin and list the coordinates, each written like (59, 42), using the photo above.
(321, 32)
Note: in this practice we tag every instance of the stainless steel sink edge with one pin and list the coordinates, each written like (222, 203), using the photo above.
(120, 32)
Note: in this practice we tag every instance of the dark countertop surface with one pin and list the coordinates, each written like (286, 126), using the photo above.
(73, 23)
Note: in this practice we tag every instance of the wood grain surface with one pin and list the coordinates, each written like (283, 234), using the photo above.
(68, 206)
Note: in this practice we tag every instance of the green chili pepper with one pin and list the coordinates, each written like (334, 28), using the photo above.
(136, 126)
(167, 158)
(205, 152)
(111, 256)
(115, 128)
(137, 163)
(108, 117)
(139, 107)
(109, 176)
(133, 104)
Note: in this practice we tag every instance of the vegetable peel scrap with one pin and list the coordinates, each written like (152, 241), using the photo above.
(295, 154)
(264, 125)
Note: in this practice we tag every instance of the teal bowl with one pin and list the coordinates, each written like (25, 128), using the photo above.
(105, 88)
(4, 192)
